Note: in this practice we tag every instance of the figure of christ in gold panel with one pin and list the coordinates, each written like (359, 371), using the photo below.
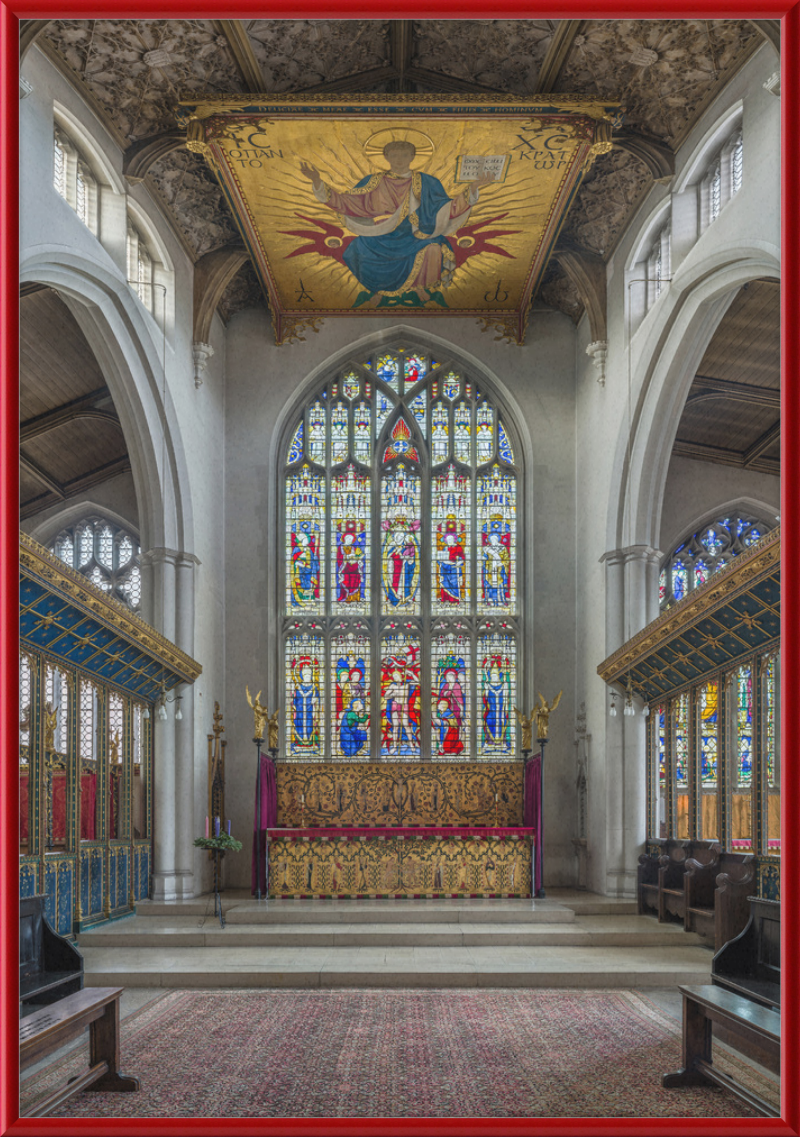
(394, 793)
(411, 866)
(439, 205)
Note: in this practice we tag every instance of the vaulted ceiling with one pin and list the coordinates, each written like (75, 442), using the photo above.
(665, 72)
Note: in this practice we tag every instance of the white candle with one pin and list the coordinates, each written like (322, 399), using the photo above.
(302, 799)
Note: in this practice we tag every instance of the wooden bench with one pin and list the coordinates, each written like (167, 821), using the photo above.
(716, 896)
(750, 964)
(50, 967)
(50, 1027)
(753, 1029)
(672, 870)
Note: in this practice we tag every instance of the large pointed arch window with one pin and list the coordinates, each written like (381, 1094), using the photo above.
(401, 590)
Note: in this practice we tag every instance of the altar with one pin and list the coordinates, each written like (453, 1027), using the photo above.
(400, 862)
(395, 830)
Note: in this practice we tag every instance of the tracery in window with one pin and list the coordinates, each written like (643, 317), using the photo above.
(400, 578)
(699, 556)
(723, 178)
(107, 554)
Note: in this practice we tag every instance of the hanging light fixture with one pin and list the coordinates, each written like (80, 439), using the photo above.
(612, 710)
(629, 707)
(161, 706)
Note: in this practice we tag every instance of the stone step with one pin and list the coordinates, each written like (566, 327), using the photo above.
(430, 966)
(403, 912)
(182, 932)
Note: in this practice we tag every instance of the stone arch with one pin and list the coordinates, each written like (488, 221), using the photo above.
(660, 380)
(129, 355)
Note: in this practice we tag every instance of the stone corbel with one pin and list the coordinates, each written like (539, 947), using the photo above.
(201, 352)
(773, 84)
(598, 352)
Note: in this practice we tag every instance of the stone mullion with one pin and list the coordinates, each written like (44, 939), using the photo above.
(695, 770)
(669, 765)
(726, 756)
(759, 782)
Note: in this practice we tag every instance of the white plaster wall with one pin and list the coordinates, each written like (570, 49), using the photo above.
(695, 488)
(57, 246)
(657, 363)
(262, 381)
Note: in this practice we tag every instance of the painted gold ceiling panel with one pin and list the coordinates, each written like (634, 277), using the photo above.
(664, 71)
(138, 69)
(462, 223)
(294, 54)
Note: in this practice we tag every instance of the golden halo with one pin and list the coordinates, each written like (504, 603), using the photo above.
(374, 145)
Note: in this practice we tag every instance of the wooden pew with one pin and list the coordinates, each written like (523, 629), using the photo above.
(647, 885)
(672, 869)
(50, 967)
(715, 903)
(48, 1028)
(752, 1028)
(750, 964)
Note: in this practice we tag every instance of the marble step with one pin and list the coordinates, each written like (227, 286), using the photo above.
(205, 931)
(430, 966)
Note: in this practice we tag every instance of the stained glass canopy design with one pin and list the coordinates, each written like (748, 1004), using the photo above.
(457, 216)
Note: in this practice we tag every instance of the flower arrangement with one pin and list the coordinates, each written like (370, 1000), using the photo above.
(222, 843)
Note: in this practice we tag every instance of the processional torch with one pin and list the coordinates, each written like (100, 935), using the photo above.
(261, 717)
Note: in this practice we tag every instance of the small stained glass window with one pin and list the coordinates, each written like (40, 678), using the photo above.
(696, 558)
(105, 553)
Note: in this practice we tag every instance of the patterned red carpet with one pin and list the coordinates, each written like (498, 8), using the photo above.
(385, 1053)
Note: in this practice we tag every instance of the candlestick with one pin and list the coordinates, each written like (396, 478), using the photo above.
(206, 827)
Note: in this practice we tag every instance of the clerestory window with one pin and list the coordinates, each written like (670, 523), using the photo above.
(74, 180)
(401, 587)
(698, 556)
(105, 553)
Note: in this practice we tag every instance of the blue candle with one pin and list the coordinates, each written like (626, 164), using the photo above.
(229, 826)
(216, 827)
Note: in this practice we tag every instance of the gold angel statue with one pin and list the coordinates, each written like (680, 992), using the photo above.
(526, 724)
(543, 712)
(50, 725)
(260, 714)
(272, 731)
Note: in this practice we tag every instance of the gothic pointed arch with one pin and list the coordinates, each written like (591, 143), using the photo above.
(402, 609)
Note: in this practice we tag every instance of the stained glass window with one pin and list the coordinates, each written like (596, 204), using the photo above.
(744, 725)
(697, 557)
(400, 502)
(661, 747)
(769, 733)
(87, 737)
(107, 554)
(305, 689)
(56, 694)
(24, 706)
(709, 718)
(681, 723)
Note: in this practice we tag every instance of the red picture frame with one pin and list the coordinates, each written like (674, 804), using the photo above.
(789, 15)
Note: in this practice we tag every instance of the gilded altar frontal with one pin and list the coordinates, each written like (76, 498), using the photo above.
(432, 205)
(420, 866)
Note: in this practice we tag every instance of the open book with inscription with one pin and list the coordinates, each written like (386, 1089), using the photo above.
(471, 166)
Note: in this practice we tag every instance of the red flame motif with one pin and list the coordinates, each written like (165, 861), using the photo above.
(327, 240)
